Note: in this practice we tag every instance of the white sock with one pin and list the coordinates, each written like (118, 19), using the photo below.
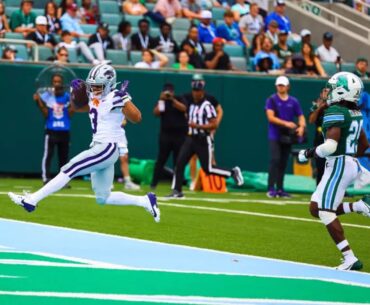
(52, 186)
(359, 206)
(346, 208)
(348, 254)
(120, 198)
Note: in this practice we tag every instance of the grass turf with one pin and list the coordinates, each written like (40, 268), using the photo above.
(262, 236)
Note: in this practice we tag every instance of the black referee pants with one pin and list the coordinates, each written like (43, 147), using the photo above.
(201, 145)
(54, 139)
(168, 143)
(279, 154)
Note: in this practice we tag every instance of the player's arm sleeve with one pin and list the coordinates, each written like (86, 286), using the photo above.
(120, 101)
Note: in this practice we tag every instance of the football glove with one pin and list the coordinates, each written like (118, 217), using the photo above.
(305, 154)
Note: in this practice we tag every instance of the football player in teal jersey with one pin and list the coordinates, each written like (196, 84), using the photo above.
(344, 141)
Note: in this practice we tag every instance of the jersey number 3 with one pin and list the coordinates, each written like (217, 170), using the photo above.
(94, 119)
(353, 136)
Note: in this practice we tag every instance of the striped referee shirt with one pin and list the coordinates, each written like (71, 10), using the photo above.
(200, 114)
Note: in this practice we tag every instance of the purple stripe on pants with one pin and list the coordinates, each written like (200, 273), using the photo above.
(96, 162)
(88, 159)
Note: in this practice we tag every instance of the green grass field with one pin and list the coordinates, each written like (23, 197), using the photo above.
(246, 223)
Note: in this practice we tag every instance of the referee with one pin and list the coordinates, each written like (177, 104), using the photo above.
(202, 119)
(55, 107)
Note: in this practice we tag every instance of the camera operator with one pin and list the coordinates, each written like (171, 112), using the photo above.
(171, 110)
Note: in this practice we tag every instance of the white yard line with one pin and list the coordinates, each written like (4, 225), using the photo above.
(196, 300)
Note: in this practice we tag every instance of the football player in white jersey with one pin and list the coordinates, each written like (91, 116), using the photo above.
(107, 108)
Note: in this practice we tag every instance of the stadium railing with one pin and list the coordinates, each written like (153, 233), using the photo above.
(34, 47)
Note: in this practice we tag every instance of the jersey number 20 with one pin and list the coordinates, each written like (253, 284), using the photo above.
(353, 136)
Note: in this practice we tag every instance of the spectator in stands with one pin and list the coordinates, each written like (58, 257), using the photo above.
(169, 9)
(23, 20)
(282, 49)
(265, 64)
(121, 39)
(133, 7)
(81, 47)
(71, 23)
(239, 9)
(230, 31)
(193, 39)
(266, 51)
(50, 12)
(194, 58)
(361, 68)
(279, 16)
(281, 111)
(263, 7)
(326, 52)
(272, 31)
(62, 9)
(165, 42)
(183, 62)
(101, 41)
(297, 65)
(149, 62)
(61, 56)
(41, 36)
(142, 40)
(206, 29)
(10, 53)
(218, 59)
(252, 23)
(4, 25)
(305, 38)
(191, 9)
(313, 63)
(89, 12)
(256, 44)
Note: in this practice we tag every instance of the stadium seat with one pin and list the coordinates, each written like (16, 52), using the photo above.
(113, 29)
(88, 28)
(154, 32)
(181, 24)
(117, 57)
(234, 51)
(14, 3)
(11, 35)
(171, 59)
(133, 19)
(22, 51)
(109, 7)
(38, 11)
(218, 13)
(135, 56)
(111, 19)
(179, 36)
(10, 9)
(348, 66)
(239, 63)
(150, 6)
(73, 56)
(45, 53)
(329, 67)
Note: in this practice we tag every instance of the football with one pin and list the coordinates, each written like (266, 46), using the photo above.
(79, 96)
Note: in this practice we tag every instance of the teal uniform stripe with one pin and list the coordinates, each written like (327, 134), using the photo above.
(328, 183)
(338, 182)
(333, 182)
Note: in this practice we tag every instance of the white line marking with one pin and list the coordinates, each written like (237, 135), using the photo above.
(173, 245)
(255, 214)
(10, 277)
(4, 247)
(198, 300)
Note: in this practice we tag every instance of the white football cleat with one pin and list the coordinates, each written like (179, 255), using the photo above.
(238, 176)
(21, 200)
(351, 263)
(366, 206)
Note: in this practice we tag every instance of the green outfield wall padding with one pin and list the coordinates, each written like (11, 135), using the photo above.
(240, 140)
(141, 171)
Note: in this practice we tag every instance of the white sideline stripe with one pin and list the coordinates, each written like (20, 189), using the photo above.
(254, 214)
(4, 247)
(10, 277)
(172, 245)
(196, 300)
